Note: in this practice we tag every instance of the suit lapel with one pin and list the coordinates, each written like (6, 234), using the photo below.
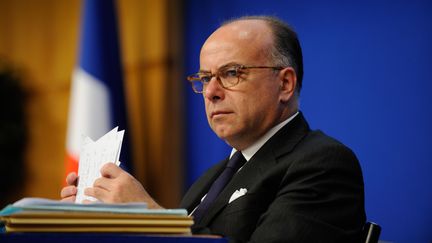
(289, 136)
(265, 158)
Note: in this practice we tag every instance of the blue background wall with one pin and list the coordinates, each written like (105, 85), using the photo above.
(368, 83)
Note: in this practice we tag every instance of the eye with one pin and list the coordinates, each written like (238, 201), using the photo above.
(229, 73)
(205, 78)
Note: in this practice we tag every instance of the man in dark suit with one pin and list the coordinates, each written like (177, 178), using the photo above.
(283, 182)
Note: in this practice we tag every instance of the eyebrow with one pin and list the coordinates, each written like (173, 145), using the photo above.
(221, 67)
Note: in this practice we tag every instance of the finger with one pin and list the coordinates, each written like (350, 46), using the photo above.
(71, 178)
(89, 191)
(69, 199)
(97, 192)
(110, 170)
(68, 191)
(104, 183)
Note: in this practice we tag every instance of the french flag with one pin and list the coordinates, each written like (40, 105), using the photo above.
(97, 101)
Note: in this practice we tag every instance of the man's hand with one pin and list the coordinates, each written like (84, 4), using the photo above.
(118, 186)
(68, 193)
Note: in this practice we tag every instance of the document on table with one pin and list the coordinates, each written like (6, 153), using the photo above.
(93, 155)
(45, 215)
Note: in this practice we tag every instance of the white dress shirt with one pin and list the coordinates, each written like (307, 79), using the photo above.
(251, 150)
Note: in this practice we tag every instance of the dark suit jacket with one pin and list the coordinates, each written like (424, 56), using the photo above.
(302, 186)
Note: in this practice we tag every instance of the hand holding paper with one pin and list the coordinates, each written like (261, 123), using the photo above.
(93, 156)
(118, 186)
(102, 181)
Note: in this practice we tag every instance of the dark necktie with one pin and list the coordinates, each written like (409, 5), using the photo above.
(233, 165)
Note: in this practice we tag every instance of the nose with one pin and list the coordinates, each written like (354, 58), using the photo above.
(214, 91)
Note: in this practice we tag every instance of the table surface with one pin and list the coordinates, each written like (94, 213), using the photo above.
(105, 238)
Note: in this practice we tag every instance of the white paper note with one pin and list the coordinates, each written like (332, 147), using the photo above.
(93, 156)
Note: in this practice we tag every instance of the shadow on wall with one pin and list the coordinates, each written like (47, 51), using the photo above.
(13, 134)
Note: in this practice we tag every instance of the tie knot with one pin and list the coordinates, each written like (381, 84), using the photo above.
(236, 161)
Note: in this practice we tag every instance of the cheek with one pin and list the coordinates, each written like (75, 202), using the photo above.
(247, 110)
(207, 113)
(261, 105)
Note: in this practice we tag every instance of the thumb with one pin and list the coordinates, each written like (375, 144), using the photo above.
(110, 170)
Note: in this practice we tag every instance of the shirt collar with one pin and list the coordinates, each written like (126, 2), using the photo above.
(251, 150)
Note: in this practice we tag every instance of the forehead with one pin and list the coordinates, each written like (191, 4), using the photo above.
(243, 42)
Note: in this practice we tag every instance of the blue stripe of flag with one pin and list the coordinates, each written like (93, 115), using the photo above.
(100, 57)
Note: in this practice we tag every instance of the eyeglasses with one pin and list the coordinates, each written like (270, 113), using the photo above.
(227, 76)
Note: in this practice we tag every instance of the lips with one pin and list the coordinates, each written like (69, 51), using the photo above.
(219, 113)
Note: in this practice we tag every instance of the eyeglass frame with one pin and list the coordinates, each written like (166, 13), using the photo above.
(195, 77)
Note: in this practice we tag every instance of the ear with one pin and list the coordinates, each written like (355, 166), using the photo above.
(288, 84)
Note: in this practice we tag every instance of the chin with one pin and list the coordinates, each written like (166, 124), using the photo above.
(221, 132)
(228, 136)
(222, 135)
